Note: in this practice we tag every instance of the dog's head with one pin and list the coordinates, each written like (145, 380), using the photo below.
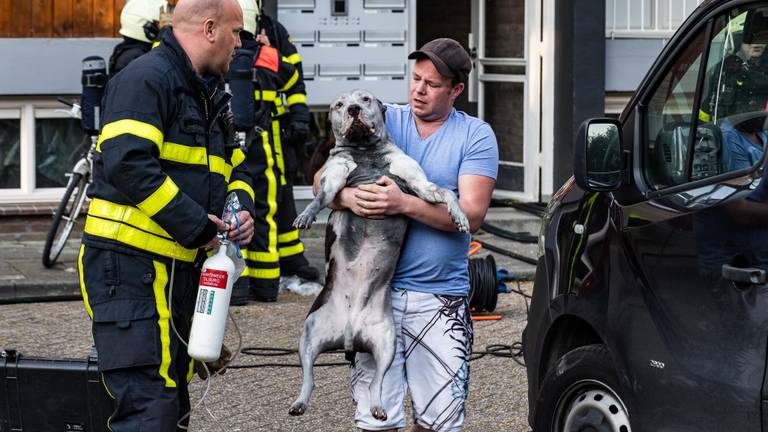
(357, 118)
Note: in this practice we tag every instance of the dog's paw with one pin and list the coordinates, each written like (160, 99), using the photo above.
(458, 217)
(304, 221)
(461, 222)
(378, 413)
(297, 409)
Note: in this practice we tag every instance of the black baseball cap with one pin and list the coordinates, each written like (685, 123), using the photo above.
(448, 56)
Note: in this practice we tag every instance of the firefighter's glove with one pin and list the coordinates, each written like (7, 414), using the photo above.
(224, 358)
(298, 132)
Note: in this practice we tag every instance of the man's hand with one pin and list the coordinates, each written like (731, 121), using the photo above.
(166, 16)
(380, 199)
(214, 242)
(245, 233)
(263, 38)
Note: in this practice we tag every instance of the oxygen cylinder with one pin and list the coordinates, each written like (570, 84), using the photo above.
(212, 306)
(94, 79)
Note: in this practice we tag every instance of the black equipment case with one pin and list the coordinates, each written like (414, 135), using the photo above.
(52, 395)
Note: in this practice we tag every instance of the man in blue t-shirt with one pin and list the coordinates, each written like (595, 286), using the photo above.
(431, 283)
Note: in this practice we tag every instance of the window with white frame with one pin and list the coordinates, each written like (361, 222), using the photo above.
(39, 145)
(10, 145)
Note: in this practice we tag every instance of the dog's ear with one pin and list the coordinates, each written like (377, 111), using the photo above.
(383, 109)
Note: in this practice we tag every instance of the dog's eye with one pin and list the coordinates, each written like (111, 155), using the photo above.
(339, 105)
(366, 99)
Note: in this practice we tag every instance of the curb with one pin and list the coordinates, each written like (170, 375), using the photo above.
(38, 291)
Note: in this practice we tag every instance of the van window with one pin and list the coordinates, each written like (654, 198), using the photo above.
(731, 126)
(669, 118)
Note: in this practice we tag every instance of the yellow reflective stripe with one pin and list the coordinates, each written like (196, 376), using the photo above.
(137, 238)
(293, 58)
(184, 154)
(133, 127)
(237, 157)
(266, 257)
(163, 318)
(288, 236)
(296, 99)
(82, 281)
(191, 370)
(291, 250)
(155, 44)
(265, 95)
(123, 213)
(278, 151)
(159, 198)
(269, 173)
(218, 165)
(704, 116)
(239, 184)
(260, 273)
(291, 82)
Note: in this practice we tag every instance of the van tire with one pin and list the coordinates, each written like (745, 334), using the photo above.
(582, 393)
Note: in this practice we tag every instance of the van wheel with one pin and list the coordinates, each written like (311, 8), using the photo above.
(581, 394)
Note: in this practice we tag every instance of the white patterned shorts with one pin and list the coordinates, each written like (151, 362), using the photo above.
(434, 341)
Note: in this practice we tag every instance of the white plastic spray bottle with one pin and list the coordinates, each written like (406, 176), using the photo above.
(212, 305)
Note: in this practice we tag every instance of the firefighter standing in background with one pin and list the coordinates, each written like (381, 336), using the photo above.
(140, 25)
(291, 132)
(163, 169)
(272, 76)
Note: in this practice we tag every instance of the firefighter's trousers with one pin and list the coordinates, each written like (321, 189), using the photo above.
(145, 367)
(262, 273)
(289, 245)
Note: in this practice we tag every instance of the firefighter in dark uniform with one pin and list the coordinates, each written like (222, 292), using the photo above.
(293, 124)
(139, 25)
(274, 75)
(163, 171)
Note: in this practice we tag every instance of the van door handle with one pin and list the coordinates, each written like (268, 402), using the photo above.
(744, 274)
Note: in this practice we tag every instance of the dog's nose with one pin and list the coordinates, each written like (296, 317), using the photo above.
(353, 110)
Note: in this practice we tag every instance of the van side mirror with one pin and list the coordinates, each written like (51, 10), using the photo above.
(598, 159)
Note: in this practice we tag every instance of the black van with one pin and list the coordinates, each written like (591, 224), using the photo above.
(650, 305)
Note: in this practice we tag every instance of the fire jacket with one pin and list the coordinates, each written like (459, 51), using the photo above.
(125, 52)
(164, 159)
(296, 97)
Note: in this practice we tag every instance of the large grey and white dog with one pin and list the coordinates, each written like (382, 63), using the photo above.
(353, 311)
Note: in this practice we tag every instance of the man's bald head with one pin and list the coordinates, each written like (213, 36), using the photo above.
(194, 12)
(208, 31)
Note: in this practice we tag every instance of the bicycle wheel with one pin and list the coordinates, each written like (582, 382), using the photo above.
(64, 219)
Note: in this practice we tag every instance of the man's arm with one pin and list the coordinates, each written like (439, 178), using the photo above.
(385, 198)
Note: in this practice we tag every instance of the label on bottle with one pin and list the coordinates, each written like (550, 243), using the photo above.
(212, 278)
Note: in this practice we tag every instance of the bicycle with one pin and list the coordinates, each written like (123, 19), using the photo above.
(74, 197)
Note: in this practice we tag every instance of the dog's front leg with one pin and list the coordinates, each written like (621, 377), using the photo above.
(334, 178)
(410, 171)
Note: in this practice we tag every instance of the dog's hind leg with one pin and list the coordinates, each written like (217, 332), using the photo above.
(320, 335)
(383, 352)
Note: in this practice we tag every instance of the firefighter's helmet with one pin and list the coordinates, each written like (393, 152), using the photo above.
(139, 19)
(251, 10)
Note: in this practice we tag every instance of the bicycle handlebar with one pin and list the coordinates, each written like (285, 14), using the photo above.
(66, 102)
